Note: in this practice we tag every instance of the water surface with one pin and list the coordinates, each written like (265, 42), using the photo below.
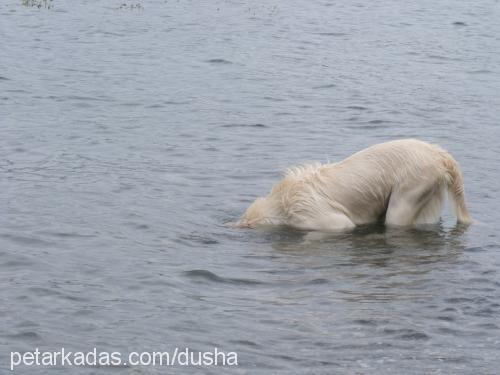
(129, 137)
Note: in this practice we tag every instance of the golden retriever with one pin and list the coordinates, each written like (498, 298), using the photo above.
(403, 182)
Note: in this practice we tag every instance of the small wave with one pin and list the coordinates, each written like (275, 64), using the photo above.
(480, 71)
(87, 98)
(43, 292)
(357, 107)
(459, 23)
(444, 58)
(27, 240)
(318, 281)
(327, 86)
(219, 61)
(365, 322)
(26, 336)
(456, 300)
(377, 121)
(414, 336)
(407, 334)
(273, 99)
(446, 318)
(67, 234)
(257, 125)
(210, 276)
(174, 102)
(331, 34)
(202, 239)
(245, 342)
(367, 127)
(128, 104)
(370, 125)
(18, 263)
(17, 91)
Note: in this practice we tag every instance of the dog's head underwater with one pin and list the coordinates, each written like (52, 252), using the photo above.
(259, 214)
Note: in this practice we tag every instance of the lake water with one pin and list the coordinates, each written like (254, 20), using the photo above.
(131, 135)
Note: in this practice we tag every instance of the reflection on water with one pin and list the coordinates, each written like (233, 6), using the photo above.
(380, 261)
(373, 240)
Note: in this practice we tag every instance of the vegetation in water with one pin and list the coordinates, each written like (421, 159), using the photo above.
(38, 3)
(131, 6)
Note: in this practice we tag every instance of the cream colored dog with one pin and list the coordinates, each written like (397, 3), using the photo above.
(404, 181)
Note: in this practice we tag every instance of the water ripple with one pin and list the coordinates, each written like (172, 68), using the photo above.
(219, 62)
(200, 275)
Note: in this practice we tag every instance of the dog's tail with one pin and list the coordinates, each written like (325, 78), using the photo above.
(455, 184)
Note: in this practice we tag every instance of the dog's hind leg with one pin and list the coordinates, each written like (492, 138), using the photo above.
(421, 204)
(401, 211)
(431, 210)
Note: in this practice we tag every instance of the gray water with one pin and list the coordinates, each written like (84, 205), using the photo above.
(130, 137)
